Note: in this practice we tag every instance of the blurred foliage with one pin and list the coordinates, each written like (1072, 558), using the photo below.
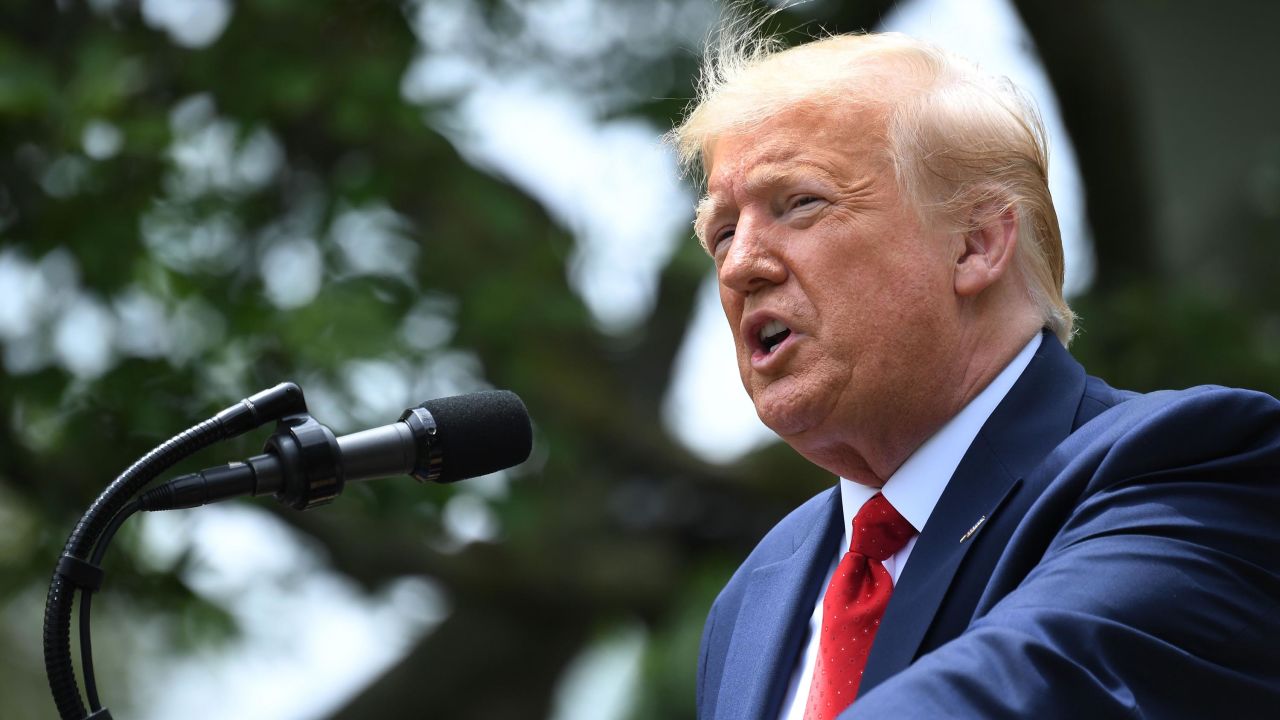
(186, 194)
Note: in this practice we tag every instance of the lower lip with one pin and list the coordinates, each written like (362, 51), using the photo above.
(761, 360)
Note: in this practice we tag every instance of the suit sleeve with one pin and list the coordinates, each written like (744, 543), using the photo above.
(1158, 597)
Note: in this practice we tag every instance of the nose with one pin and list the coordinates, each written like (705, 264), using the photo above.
(750, 263)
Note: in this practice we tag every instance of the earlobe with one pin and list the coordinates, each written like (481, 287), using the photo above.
(987, 252)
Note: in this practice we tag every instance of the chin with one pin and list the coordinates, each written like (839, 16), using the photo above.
(801, 410)
(788, 417)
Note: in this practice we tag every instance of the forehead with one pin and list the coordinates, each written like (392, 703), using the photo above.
(839, 143)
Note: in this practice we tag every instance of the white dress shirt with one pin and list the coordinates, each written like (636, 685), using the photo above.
(913, 490)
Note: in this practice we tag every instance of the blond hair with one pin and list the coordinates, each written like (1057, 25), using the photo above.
(965, 147)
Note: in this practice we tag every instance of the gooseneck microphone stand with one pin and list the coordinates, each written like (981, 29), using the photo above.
(78, 568)
(303, 465)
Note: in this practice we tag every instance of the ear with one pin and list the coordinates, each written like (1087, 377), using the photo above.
(987, 252)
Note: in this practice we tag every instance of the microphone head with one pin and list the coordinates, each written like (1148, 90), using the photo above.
(480, 433)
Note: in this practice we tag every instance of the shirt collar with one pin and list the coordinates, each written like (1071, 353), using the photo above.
(914, 488)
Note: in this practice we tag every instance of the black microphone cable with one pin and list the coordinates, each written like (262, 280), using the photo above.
(75, 570)
(86, 598)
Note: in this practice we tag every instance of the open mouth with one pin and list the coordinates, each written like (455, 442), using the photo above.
(772, 334)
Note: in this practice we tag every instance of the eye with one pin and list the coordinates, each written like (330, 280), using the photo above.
(719, 237)
(801, 201)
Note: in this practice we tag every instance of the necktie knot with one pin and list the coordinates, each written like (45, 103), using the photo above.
(879, 530)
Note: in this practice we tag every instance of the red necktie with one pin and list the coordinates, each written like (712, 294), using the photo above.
(851, 609)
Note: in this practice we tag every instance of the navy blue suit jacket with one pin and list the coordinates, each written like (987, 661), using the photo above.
(1126, 563)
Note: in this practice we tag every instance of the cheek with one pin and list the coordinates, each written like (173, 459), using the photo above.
(912, 314)
(872, 306)
(731, 303)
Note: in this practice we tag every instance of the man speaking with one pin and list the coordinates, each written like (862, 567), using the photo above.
(1009, 537)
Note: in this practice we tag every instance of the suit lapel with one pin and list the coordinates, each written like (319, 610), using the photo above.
(927, 576)
(1032, 419)
(771, 624)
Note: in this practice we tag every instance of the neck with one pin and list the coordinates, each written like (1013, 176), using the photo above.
(870, 455)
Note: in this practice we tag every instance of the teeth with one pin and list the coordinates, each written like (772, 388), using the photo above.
(772, 335)
(771, 328)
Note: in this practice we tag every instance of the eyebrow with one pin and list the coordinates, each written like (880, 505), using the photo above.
(707, 208)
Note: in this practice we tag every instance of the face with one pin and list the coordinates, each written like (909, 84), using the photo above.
(840, 303)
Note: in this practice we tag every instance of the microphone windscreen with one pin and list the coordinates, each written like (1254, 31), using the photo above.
(480, 433)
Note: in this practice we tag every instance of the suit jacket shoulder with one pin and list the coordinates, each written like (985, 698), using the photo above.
(1143, 579)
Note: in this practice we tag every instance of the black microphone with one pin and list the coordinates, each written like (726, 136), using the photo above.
(305, 465)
